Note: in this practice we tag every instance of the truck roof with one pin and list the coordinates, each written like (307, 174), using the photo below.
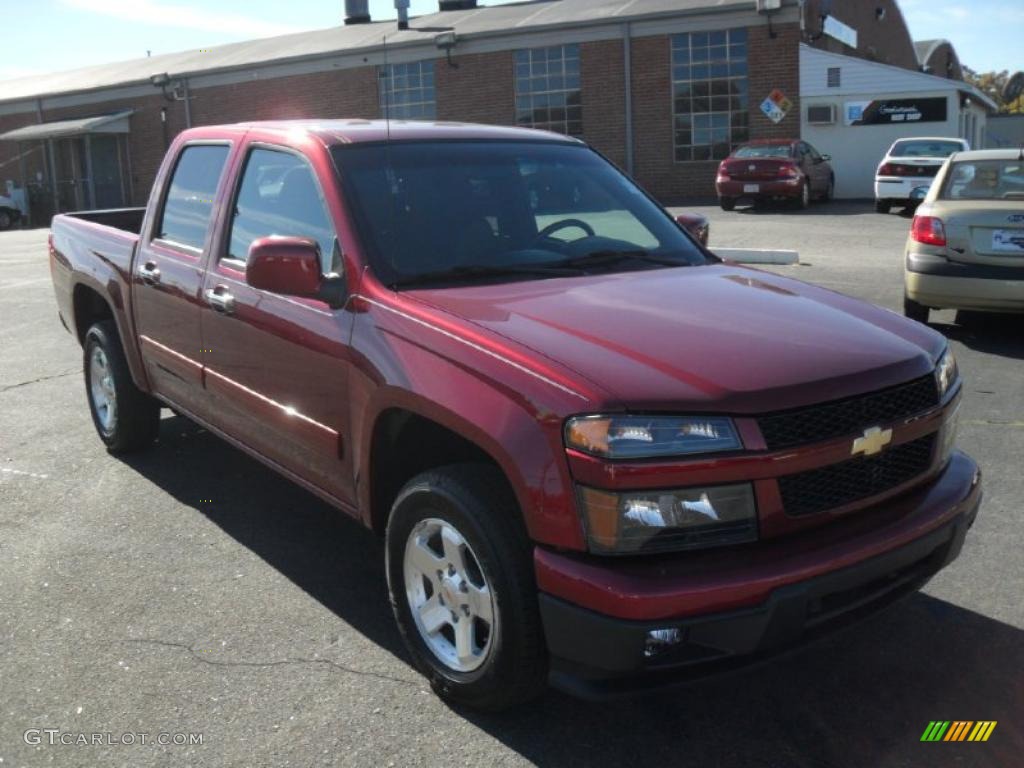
(342, 131)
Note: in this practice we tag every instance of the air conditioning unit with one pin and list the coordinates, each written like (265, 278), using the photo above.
(768, 6)
(821, 114)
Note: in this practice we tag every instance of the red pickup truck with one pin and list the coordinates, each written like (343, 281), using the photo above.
(599, 455)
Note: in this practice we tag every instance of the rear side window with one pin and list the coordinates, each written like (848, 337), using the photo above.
(188, 207)
(279, 196)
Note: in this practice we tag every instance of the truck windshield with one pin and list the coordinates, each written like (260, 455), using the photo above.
(459, 211)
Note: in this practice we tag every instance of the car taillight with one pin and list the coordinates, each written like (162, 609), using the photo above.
(788, 172)
(723, 174)
(928, 230)
(887, 169)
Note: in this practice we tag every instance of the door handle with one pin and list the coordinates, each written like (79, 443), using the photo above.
(221, 300)
(150, 273)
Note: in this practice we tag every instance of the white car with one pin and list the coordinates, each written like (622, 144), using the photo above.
(10, 212)
(906, 172)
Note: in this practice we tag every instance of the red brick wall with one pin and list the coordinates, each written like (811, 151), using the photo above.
(774, 63)
(481, 90)
(604, 98)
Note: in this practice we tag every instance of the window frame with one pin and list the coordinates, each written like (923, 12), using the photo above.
(516, 94)
(158, 219)
(221, 255)
(385, 79)
(728, 62)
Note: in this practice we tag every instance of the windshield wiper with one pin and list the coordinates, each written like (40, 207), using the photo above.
(483, 270)
(601, 258)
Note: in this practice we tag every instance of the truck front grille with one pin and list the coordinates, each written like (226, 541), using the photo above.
(837, 485)
(850, 416)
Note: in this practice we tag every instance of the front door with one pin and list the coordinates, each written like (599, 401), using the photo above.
(169, 276)
(277, 366)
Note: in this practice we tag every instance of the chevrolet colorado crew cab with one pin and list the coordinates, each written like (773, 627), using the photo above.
(599, 455)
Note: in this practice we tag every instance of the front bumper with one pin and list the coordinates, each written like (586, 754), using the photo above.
(939, 283)
(597, 655)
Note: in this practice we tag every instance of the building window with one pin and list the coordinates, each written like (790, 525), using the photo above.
(833, 77)
(548, 89)
(710, 93)
(407, 91)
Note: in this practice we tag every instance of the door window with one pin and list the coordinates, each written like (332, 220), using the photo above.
(188, 208)
(279, 195)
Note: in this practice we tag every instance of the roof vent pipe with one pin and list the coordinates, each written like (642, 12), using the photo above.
(457, 5)
(357, 11)
(402, 6)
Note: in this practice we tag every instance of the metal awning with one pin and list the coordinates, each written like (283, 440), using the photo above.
(113, 123)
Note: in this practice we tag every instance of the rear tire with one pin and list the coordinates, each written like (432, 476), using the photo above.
(882, 206)
(915, 311)
(455, 536)
(6, 219)
(727, 203)
(125, 417)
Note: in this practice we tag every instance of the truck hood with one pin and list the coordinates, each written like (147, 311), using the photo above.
(713, 338)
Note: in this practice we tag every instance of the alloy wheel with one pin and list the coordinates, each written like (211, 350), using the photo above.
(102, 390)
(450, 600)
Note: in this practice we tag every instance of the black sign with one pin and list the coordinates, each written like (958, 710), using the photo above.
(889, 111)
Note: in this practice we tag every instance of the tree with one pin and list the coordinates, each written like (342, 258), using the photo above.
(992, 85)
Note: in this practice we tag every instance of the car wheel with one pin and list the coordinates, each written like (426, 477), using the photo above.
(830, 190)
(915, 311)
(125, 417)
(804, 201)
(460, 580)
(727, 203)
(882, 206)
(6, 219)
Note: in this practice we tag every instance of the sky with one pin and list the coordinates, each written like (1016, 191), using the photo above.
(53, 35)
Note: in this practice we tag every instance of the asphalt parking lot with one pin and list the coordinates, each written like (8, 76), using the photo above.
(190, 591)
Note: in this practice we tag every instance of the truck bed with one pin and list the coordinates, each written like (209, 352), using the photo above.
(127, 219)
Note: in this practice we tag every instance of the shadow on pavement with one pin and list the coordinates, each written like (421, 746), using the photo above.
(996, 334)
(860, 698)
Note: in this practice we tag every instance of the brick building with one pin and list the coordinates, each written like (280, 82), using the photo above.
(663, 87)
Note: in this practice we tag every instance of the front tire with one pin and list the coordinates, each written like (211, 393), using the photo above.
(125, 417)
(460, 579)
(915, 311)
(6, 219)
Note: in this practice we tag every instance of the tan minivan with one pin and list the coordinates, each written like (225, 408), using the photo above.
(966, 245)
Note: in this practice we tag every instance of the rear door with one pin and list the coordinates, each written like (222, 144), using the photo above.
(277, 366)
(168, 275)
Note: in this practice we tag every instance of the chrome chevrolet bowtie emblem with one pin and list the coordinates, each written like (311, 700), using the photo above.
(872, 441)
(751, 167)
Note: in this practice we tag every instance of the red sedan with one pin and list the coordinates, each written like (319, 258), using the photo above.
(775, 169)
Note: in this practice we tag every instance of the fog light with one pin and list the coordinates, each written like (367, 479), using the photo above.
(660, 640)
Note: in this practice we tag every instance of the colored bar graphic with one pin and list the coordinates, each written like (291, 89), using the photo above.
(958, 730)
(935, 730)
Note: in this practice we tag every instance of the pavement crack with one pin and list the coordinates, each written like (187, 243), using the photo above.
(36, 381)
(198, 656)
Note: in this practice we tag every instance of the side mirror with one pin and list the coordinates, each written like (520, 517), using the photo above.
(826, 158)
(695, 224)
(290, 266)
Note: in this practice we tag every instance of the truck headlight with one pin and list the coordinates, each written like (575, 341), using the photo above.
(630, 522)
(645, 437)
(946, 373)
